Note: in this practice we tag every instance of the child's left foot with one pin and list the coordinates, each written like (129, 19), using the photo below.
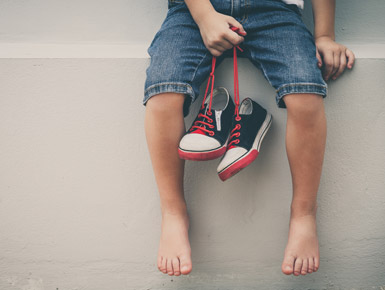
(302, 252)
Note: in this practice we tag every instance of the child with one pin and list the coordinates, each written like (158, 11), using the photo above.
(273, 36)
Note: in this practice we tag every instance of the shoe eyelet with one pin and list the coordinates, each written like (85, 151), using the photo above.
(209, 113)
(210, 120)
(239, 126)
(212, 126)
(237, 141)
(211, 133)
(238, 118)
(238, 134)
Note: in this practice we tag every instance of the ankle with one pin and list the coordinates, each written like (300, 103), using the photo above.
(173, 207)
(303, 208)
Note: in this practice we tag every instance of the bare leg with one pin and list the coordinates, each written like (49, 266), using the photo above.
(305, 146)
(164, 126)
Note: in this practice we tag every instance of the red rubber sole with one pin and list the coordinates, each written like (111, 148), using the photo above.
(202, 156)
(238, 165)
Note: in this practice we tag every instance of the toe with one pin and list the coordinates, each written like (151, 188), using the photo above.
(304, 266)
(316, 263)
(160, 262)
(297, 266)
(170, 270)
(175, 266)
(287, 264)
(185, 264)
(310, 267)
(164, 265)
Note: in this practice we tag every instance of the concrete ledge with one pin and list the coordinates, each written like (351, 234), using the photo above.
(124, 50)
(57, 50)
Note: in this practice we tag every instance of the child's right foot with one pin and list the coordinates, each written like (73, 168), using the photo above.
(174, 256)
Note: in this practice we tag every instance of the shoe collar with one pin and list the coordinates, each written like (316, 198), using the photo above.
(218, 91)
(246, 107)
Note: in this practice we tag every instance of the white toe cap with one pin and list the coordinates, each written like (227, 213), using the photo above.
(198, 142)
(230, 156)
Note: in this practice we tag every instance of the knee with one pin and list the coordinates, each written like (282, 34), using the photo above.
(166, 103)
(304, 106)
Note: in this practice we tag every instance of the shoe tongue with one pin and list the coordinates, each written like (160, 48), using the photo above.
(235, 146)
(199, 131)
(232, 146)
(245, 116)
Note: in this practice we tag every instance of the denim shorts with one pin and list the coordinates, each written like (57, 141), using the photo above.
(277, 42)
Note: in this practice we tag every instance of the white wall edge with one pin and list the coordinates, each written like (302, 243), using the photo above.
(50, 50)
(54, 50)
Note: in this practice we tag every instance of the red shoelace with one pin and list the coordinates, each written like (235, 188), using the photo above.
(207, 120)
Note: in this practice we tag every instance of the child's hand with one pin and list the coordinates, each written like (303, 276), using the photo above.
(216, 33)
(333, 57)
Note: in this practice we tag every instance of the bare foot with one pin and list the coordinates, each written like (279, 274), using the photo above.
(174, 256)
(302, 252)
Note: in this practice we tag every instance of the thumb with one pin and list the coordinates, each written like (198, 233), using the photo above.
(232, 22)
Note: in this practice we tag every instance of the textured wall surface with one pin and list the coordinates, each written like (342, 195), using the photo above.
(137, 20)
(79, 208)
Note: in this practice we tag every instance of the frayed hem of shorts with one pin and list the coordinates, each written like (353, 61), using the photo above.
(299, 88)
(172, 87)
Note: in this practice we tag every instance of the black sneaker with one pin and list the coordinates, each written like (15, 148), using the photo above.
(248, 131)
(207, 137)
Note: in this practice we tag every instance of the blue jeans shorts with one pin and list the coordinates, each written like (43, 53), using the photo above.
(277, 42)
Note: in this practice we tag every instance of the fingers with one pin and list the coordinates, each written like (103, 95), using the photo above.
(235, 23)
(336, 62)
(217, 47)
(334, 58)
(340, 62)
(319, 58)
(216, 50)
(235, 37)
(222, 33)
(227, 44)
(341, 67)
(224, 42)
(328, 65)
(351, 57)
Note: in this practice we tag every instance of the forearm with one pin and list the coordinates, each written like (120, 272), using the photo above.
(323, 14)
(199, 9)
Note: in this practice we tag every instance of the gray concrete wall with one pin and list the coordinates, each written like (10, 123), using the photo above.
(79, 208)
(132, 21)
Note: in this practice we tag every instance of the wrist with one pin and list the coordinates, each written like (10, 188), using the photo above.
(201, 16)
(324, 37)
(200, 10)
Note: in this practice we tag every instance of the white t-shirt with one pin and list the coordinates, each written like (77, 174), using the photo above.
(299, 3)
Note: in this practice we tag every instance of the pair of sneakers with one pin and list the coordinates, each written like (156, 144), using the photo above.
(221, 130)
